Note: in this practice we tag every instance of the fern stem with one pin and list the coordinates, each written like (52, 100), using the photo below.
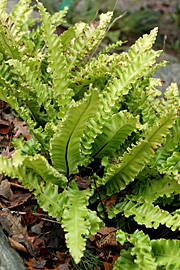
(104, 210)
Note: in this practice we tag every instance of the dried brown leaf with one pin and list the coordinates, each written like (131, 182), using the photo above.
(21, 128)
(12, 224)
(110, 200)
(33, 264)
(4, 126)
(63, 258)
(106, 230)
(5, 189)
(108, 240)
(108, 266)
(7, 153)
(82, 182)
(19, 199)
(16, 245)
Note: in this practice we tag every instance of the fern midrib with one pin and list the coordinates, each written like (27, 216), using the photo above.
(69, 140)
(48, 199)
(111, 140)
(167, 255)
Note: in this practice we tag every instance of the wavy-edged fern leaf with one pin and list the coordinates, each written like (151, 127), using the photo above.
(114, 133)
(149, 188)
(54, 48)
(150, 254)
(3, 9)
(119, 175)
(41, 167)
(20, 15)
(148, 214)
(142, 44)
(47, 194)
(65, 145)
(166, 150)
(125, 261)
(172, 164)
(75, 221)
(49, 198)
(94, 222)
(167, 253)
(32, 82)
(141, 249)
(8, 46)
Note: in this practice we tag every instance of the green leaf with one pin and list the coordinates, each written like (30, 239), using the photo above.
(95, 222)
(114, 133)
(125, 261)
(167, 253)
(119, 175)
(168, 147)
(41, 167)
(147, 214)
(65, 145)
(142, 250)
(75, 221)
(149, 188)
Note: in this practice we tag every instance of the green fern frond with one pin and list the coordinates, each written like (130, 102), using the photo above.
(65, 144)
(3, 5)
(3, 9)
(114, 133)
(6, 166)
(172, 95)
(148, 214)
(167, 253)
(94, 221)
(119, 175)
(8, 46)
(112, 46)
(40, 166)
(125, 261)
(57, 17)
(142, 44)
(24, 111)
(142, 100)
(49, 198)
(172, 164)
(54, 48)
(47, 194)
(75, 221)
(86, 39)
(94, 72)
(150, 189)
(142, 250)
(152, 69)
(32, 82)
(20, 15)
(58, 62)
(150, 254)
(136, 68)
(166, 150)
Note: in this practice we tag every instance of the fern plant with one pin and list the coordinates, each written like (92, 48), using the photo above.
(100, 113)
